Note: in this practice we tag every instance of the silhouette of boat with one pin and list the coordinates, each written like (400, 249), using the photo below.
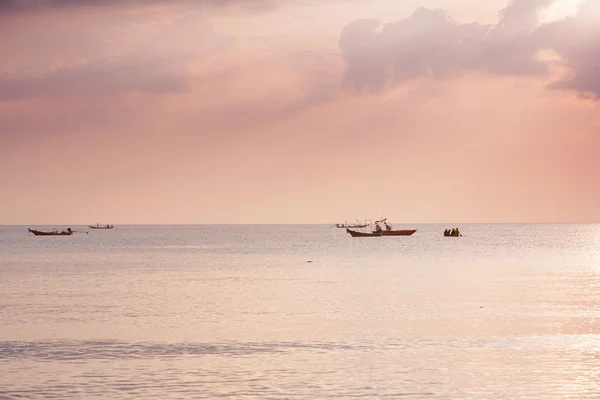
(101, 226)
(353, 226)
(363, 234)
(51, 233)
(388, 231)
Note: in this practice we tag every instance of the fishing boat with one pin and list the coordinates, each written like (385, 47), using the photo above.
(101, 226)
(449, 233)
(363, 234)
(353, 226)
(399, 232)
(51, 233)
(388, 231)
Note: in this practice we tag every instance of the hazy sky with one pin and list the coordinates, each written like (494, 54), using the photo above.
(299, 111)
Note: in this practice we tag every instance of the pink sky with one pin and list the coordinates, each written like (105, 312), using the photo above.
(299, 111)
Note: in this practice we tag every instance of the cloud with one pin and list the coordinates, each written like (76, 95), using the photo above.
(430, 43)
(577, 41)
(13, 6)
(522, 15)
(155, 76)
(156, 64)
(9, 6)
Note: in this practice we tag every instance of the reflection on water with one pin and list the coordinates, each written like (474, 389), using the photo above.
(528, 367)
(505, 312)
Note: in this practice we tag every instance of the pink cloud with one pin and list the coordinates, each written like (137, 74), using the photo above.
(26, 6)
(430, 43)
(577, 41)
(156, 62)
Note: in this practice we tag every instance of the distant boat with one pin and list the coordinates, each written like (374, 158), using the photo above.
(51, 233)
(101, 226)
(345, 225)
(363, 234)
(351, 226)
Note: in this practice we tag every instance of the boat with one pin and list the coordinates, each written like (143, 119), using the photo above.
(399, 232)
(353, 226)
(101, 226)
(363, 234)
(51, 233)
(452, 233)
(388, 231)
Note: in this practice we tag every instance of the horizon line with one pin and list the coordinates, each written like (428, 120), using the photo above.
(318, 223)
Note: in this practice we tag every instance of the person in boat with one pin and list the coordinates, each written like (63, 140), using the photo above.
(387, 227)
(377, 228)
(457, 232)
(446, 232)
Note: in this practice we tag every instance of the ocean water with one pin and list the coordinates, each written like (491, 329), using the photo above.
(301, 312)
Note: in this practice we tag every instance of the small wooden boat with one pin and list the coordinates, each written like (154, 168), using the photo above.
(451, 233)
(399, 232)
(353, 226)
(51, 233)
(101, 226)
(363, 234)
(388, 231)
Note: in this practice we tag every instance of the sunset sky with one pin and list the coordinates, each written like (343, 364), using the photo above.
(299, 111)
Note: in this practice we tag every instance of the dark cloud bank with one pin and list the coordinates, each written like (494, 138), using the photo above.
(126, 74)
(7, 6)
(12, 6)
(430, 43)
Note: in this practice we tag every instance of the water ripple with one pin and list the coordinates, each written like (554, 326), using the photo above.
(71, 350)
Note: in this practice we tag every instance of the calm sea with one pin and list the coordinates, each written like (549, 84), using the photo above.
(301, 312)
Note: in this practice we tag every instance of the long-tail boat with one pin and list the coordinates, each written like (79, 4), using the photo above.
(450, 233)
(388, 231)
(363, 234)
(101, 226)
(51, 233)
(346, 225)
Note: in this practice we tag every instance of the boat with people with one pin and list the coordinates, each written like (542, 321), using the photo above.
(454, 232)
(379, 231)
(54, 232)
(388, 231)
(363, 234)
(98, 226)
